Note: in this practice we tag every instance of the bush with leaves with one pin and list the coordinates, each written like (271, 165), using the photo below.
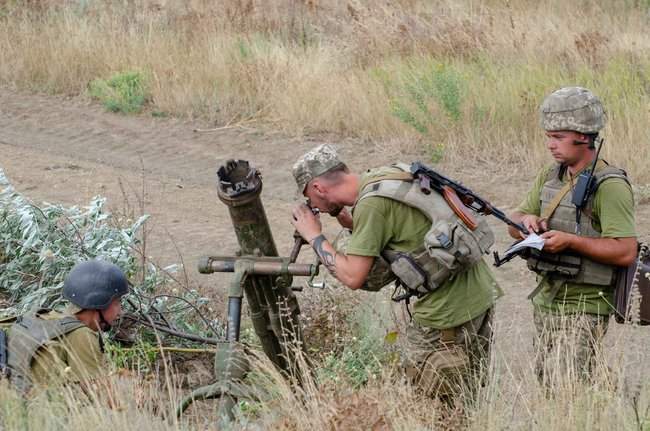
(125, 92)
(40, 245)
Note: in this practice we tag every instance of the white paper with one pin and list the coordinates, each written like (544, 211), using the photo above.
(533, 241)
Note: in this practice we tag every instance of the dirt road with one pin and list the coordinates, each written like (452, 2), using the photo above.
(66, 151)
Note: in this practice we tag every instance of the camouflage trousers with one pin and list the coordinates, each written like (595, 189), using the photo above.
(567, 346)
(448, 363)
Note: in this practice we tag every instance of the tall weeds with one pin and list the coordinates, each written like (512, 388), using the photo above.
(457, 75)
(617, 397)
(334, 398)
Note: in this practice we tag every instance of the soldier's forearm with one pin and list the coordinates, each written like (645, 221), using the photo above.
(349, 270)
(325, 252)
(613, 251)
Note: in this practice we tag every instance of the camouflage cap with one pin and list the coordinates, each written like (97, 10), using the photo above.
(315, 163)
(572, 108)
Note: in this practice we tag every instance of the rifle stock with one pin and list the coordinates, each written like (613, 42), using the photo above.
(430, 179)
(459, 207)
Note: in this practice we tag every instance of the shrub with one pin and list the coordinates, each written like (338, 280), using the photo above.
(40, 245)
(125, 92)
(428, 98)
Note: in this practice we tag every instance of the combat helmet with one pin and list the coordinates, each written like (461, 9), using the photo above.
(94, 284)
(572, 108)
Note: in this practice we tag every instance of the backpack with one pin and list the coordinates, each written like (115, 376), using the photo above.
(28, 334)
(632, 294)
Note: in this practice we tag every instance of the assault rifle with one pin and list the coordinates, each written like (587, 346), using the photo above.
(459, 197)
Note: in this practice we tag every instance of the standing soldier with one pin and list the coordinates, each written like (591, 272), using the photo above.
(48, 347)
(392, 220)
(583, 246)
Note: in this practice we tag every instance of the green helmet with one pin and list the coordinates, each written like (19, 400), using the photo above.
(94, 284)
(572, 108)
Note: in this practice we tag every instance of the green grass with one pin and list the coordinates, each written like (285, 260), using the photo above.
(125, 92)
(426, 94)
(366, 351)
(140, 358)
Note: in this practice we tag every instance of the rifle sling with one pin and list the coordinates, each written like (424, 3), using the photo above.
(448, 193)
(548, 212)
(556, 285)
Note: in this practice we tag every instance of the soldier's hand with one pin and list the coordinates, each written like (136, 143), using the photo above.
(345, 218)
(306, 222)
(533, 223)
(556, 241)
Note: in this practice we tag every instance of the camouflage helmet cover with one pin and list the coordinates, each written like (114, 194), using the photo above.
(94, 284)
(572, 108)
(315, 163)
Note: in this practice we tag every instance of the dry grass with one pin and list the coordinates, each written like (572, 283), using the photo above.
(616, 399)
(353, 68)
(468, 74)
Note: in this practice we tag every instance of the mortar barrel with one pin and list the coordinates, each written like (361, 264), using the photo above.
(239, 187)
(234, 319)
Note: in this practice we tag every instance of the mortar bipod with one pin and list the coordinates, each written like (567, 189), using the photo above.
(262, 277)
(231, 361)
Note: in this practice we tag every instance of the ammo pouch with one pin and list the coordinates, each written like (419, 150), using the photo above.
(379, 276)
(449, 248)
(569, 267)
(410, 273)
(454, 247)
(553, 265)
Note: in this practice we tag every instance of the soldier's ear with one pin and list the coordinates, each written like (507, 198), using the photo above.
(581, 139)
(319, 187)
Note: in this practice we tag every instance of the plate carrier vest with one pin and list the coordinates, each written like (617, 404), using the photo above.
(449, 247)
(28, 334)
(568, 266)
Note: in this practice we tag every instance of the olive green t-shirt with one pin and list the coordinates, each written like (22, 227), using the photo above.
(381, 223)
(613, 215)
(75, 357)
